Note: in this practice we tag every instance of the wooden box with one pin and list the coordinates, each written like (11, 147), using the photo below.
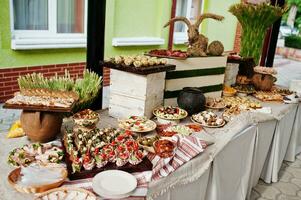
(206, 73)
(134, 94)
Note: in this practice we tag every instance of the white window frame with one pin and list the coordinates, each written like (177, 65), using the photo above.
(47, 39)
(181, 37)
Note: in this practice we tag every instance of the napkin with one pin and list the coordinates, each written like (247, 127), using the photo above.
(187, 147)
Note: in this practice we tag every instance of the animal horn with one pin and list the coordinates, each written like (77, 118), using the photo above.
(175, 19)
(207, 15)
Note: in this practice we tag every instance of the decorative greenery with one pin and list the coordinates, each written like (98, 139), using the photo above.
(87, 87)
(293, 41)
(291, 3)
(255, 19)
(31, 81)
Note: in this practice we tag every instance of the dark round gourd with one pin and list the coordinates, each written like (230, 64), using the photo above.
(192, 100)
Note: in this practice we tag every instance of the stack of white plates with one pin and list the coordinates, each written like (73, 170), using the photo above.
(114, 184)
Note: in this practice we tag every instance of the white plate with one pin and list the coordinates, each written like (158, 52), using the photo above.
(114, 184)
(208, 126)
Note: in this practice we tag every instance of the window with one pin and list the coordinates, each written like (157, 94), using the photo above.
(189, 9)
(44, 24)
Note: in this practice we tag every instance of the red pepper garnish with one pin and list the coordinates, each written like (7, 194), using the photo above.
(139, 154)
(135, 146)
(111, 154)
(120, 148)
(96, 151)
(120, 138)
(128, 133)
(87, 158)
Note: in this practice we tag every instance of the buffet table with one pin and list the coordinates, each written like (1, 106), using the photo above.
(231, 165)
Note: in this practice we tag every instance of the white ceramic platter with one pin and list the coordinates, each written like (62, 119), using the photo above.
(114, 184)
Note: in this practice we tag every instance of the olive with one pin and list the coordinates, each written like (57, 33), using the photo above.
(144, 142)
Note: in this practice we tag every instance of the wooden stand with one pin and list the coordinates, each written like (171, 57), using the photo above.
(134, 94)
(206, 73)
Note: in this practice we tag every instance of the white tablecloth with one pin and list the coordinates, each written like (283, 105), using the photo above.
(279, 146)
(230, 172)
(294, 146)
(263, 140)
(191, 191)
(229, 159)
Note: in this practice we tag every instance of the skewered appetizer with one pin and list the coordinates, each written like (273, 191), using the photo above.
(36, 153)
(170, 112)
(137, 124)
(102, 146)
(137, 61)
(207, 118)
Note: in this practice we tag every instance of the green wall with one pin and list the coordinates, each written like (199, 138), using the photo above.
(20, 58)
(136, 18)
(125, 18)
(225, 30)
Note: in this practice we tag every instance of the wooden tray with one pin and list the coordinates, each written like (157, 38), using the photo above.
(15, 174)
(38, 108)
(169, 57)
(139, 70)
(145, 165)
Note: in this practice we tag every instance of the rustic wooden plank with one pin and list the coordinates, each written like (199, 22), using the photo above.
(38, 108)
(199, 62)
(140, 70)
(205, 89)
(178, 84)
(195, 73)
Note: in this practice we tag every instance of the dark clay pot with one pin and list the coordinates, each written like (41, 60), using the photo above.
(192, 100)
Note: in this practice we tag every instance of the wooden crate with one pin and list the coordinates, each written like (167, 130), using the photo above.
(133, 94)
(204, 72)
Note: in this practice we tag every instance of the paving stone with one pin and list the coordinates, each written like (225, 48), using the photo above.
(286, 188)
(285, 197)
(296, 172)
(267, 192)
(296, 182)
(296, 164)
(285, 176)
(254, 195)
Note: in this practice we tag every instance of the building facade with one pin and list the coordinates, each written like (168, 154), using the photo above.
(49, 36)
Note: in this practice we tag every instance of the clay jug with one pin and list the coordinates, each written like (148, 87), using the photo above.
(41, 126)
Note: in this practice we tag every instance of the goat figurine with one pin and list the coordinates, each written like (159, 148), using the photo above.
(197, 43)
